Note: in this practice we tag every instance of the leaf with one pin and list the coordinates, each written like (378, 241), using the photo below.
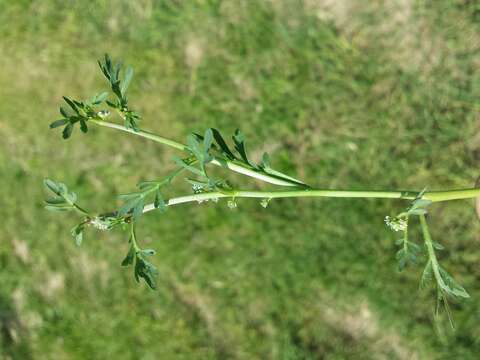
(64, 112)
(67, 131)
(71, 104)
(450, 286)
(83, 126)
(159, 203)
(145, 270)
(222, 144)
(52, 186)
(112, 104)
(280, 175)
(148, 252)
(77, 233)
(129, 205)
(426, 275)
(138, 209)
(239, 140)
(129, 259)
(58, 123)
(266, 161)
(99, 98)
(401, 257)
(190, 168)
(59, 207)
(147, 184)
(56, 201)
(208, 140)
(126, 80)
(194, 147)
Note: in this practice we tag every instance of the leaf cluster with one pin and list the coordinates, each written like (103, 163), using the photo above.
(223, 153)
(408, 253)
(62, 199)
(119, 85)
(78, 112)
(142, 268)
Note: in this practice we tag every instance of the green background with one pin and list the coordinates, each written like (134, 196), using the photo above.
(347, 94)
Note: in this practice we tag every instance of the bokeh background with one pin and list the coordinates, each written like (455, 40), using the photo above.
(343, 94)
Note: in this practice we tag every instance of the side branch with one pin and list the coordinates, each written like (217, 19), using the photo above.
(231, 165)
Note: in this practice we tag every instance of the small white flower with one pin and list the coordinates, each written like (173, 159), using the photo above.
(396, 224)
(264, 202)
(100, 224)
(197, 188)
(103, 113)
(231, 204)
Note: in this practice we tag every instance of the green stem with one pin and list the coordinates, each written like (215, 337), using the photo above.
(434, 196)
(239, 168)
(142, 133)
(431, 251)
(133, 237)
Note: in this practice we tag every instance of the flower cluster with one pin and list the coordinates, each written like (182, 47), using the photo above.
(396, 224)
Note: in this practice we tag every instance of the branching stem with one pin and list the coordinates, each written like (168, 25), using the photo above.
(232, 165)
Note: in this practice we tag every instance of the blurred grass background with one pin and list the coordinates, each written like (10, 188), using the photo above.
(345, 94)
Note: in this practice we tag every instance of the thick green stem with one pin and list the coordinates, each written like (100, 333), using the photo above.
(239, 168)
(434, 196)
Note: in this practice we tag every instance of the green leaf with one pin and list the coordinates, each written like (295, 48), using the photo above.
(280, 175)
(64, 112)
(208, 139)
(148, 252)
(58, 123)
(52, 186)
(138, 209)
(426, 275)
(129, 259)
(83, 126)
(142, 185)
(450, 286)
(126, 80)
(129, 205)
(56, 201)
(67, 131)
(188, 167)
(59, 207)
(222, 144)
(239, 140)
(112, 104)
(266, 161)
(159, 203)
(99, 98)
(71, 104)
(77, 233)
(145, 270)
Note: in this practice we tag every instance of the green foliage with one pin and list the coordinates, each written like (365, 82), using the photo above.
(79, 112)
(344, 103)
(136, 257)
(119, 86)
(63, 199)
(203, 150)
